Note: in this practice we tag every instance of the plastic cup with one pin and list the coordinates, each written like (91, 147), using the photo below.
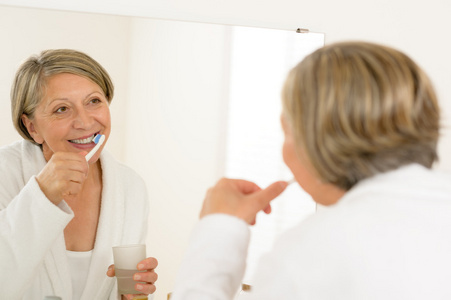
(126, 259)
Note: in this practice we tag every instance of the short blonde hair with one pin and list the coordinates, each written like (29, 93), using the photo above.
(30, 80)
(358, 109)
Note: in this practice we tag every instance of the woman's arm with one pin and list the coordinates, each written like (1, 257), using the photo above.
(214, 264)
(29, 226)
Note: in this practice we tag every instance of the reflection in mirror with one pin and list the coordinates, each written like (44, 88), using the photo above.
(193, 102)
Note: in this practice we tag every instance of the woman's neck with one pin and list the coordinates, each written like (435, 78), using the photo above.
(327, 194)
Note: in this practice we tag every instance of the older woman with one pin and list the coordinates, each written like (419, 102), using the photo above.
(361, 125)
(61, 214)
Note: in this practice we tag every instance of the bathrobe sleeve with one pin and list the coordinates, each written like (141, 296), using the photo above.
(214, 263)
(29, 224)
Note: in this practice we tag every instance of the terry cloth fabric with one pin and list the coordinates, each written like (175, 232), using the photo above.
(33, 255)
(389, 238)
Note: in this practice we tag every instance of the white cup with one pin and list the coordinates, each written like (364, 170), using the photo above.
(126, 259)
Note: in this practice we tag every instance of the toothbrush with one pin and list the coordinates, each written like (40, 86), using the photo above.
(98, 139)
(291, 181)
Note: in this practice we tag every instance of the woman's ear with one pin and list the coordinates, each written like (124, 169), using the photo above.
(31, 129)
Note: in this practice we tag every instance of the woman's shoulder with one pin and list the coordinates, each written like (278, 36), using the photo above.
(324, 227)
(12, 154)
(12, 166)
(21, 153)
(11, 150)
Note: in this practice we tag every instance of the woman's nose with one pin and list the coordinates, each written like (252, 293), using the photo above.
(82, 119)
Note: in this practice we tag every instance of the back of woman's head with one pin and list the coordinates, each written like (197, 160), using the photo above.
(31, 77)
(358, 109)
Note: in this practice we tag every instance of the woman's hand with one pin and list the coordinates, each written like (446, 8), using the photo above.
(240, 198)
(63, 175)
(146, 280)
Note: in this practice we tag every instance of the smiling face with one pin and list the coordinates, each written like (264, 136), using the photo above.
(72, 110)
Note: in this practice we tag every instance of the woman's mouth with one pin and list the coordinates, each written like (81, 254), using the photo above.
(87, 140)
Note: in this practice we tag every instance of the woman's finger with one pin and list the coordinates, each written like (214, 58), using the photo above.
(149, 263)
(145, 288)
(244, 186)
(262, 198)
(149, 277)
(111, 272)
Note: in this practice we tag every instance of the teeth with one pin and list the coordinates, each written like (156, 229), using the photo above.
(83, 141)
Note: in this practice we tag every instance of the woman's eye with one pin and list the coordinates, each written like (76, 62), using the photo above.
(61, 109)
(95, 101)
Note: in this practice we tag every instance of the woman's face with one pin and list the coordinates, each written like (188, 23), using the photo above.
(72, 110)
(299, 166)
(304, 173)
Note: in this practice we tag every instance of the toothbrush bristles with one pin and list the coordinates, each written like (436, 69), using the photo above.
(97, 138)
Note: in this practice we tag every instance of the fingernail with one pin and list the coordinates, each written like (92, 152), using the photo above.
(140, 267)
(139, 287)
(137, 277)
(284, 184)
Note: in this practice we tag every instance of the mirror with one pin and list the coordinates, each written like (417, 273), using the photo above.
(186, 95)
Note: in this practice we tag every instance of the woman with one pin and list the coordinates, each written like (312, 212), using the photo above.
(361, 124)
(60, 214)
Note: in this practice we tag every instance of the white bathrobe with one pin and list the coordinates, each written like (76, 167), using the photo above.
(388, 238)
(33, 262)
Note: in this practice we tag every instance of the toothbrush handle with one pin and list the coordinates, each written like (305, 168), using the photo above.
(92, 152)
